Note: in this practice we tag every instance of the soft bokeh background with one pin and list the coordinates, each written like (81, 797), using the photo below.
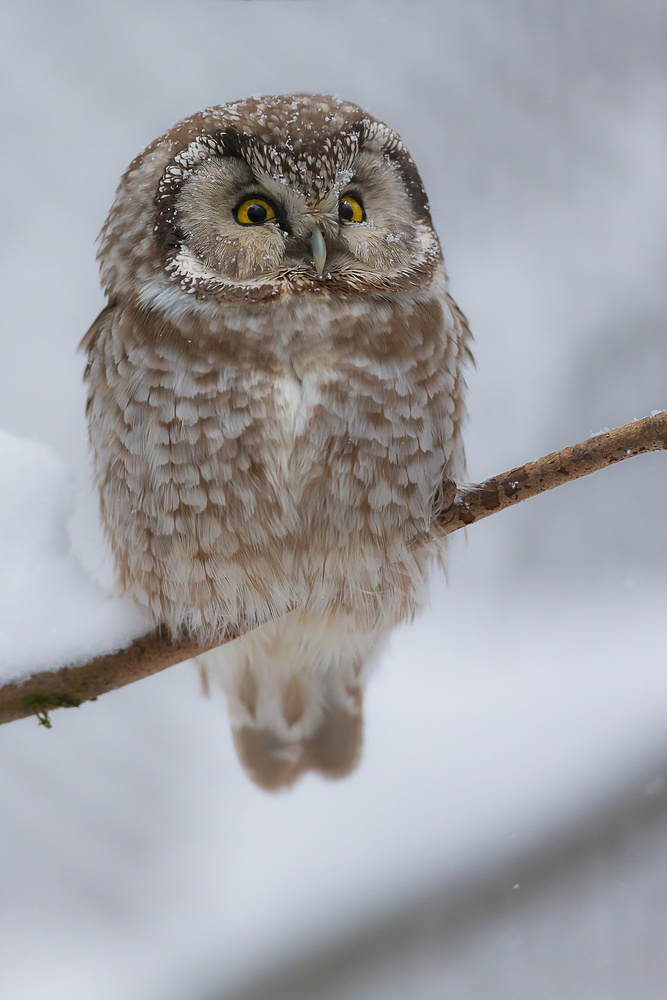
(506, 833)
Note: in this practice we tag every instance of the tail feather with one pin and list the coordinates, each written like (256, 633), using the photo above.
(270, 762)
(335, 748)
(274, 762)
(294, 692)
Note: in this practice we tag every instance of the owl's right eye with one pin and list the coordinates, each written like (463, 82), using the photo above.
(253, 212)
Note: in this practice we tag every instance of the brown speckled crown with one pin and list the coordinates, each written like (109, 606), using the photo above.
(303, 138)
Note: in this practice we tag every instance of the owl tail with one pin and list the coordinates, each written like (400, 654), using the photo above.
(294, 691)
(275, 759)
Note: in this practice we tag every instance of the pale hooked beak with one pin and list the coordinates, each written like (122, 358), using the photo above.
(319, 248)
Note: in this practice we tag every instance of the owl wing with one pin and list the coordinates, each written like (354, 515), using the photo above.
(104, 319)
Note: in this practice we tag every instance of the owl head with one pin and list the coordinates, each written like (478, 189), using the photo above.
(269, 197)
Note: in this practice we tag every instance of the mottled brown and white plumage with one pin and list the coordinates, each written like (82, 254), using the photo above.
(269, 425)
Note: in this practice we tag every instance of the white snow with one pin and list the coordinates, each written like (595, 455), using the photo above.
(52, 612)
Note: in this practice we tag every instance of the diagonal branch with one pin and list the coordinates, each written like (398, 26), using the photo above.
(70, 686)
(461, 506)
(473, 502)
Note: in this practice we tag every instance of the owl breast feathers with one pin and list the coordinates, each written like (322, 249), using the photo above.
(275, 395)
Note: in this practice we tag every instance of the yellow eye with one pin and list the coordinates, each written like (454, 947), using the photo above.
(351, 209)
(254, 211)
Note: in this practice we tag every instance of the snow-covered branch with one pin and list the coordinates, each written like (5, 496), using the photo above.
(71, 685)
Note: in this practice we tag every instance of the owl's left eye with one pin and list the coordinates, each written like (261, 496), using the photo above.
(351, 209)
(254, 211)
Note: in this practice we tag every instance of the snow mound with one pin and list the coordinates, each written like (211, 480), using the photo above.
(52, 612)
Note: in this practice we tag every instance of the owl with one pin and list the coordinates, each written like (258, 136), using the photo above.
(275, 394)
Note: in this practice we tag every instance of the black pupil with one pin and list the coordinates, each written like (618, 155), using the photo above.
(257, 213)
(346, 212)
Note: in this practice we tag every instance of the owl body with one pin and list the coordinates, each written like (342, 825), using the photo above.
(270, 425)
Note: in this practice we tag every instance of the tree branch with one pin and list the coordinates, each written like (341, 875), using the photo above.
(470, 503)
(461, 505)
(69, 686)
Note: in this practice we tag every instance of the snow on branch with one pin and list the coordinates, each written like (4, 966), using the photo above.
(460, 506)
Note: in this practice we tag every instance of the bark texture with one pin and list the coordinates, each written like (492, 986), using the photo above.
(472, 502)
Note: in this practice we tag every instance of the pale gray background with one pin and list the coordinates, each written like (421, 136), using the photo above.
(515, 732)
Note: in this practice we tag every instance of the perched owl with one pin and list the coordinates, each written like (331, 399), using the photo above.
(275, 395)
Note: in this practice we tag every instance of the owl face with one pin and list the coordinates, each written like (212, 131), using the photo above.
(270, 197)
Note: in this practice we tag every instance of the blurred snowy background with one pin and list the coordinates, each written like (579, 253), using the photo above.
(506, 834)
